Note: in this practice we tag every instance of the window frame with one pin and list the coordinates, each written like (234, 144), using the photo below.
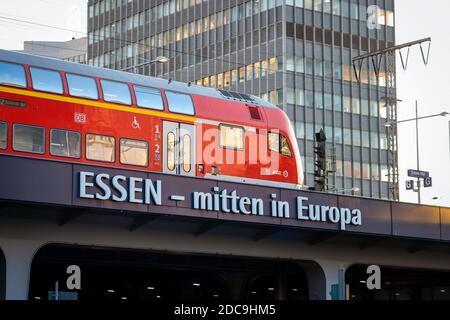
(116, 102)
(6, 145)
(82, 75)
(47, 69)
(146, 87)
(86, 147)
(60, 129)
(129, 164)
(25, 73)
(33, 126)
(178, 92)
(231, 126)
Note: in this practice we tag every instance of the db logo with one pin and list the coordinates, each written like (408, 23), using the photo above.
(79, 117)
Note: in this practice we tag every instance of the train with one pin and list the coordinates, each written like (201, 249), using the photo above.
(58, 110)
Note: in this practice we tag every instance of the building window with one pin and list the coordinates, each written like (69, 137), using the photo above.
(12, 74)
(3, 135)
(116, 92)
(374, 140)
(231, 137)
(220, 80)
(148, 98)
(357, 170)
(80, 86)
(134, 152)
(65, 143)
(384, 173)
(366, 171)
(180, 103)
(347, 136)
(46, 80)
(356, 137)
(100, 148)
(28, 138)
(300, 130)
(383, 141)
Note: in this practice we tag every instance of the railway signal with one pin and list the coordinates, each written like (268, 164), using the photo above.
(320, 173)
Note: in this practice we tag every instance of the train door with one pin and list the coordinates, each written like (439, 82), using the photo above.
(178, 148)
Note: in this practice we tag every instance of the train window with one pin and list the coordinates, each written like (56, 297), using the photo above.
(231, 136)
(116, 92)
(3, 135)
(279, 143)
(100, 148)
(187, 153)
(81, 86)
(274, 142)
(65, 143)
(12, 74)
(180, 103)
(171, 151)
(148, 98)
(285, 150)
(46, 80)
(28, 138)
(134, 152)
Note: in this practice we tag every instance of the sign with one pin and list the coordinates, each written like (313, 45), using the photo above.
(418, 174)
(428, 182)
(79, 117)
(409, 184)
(119, 188)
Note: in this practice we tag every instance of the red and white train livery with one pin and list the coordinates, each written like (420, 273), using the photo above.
(62, 111)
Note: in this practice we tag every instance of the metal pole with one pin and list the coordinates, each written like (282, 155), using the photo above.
(57, 290)
(417, 148)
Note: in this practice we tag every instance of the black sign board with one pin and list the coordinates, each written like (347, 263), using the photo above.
(428, 182)
(409, 184)
(418, 174)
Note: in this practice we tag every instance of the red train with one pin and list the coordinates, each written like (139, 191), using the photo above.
(63, 111)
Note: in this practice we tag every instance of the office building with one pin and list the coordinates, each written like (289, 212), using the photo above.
(294, 53)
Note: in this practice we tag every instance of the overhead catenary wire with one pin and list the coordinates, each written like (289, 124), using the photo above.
(238, 64)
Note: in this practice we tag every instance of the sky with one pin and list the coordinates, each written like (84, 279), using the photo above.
(429, 85)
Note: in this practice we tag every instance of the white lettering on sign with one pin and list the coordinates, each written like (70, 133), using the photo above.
(343, 216)
(119, 188)
(227, 202)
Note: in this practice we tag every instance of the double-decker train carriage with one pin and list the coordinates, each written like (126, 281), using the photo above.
(62, 111)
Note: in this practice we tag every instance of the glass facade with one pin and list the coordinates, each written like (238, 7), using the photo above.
(293, 53)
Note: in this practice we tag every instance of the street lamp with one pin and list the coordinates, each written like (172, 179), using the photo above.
(159, 59)
(354, 189)
(333, 189)
(389, 124)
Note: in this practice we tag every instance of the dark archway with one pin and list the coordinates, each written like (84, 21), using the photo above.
(114, 274)
(288, 285)
(399, 283)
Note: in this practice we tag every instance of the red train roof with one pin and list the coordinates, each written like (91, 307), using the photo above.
(104, 73)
